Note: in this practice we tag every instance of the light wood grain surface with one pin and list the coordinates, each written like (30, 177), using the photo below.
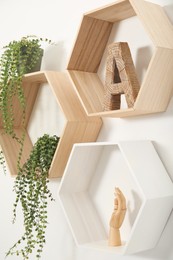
(156, 89)
(78, 127)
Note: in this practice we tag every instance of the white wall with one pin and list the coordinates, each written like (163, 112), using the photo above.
(59, 21)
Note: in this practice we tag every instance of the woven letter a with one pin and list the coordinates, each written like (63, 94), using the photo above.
(120, 77)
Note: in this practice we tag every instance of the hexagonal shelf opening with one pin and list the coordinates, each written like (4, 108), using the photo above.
(77, 126)
(39, 122)
(140, 45)
(133, 166)
(96, 27)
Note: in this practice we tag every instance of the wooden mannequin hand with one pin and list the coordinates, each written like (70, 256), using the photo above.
(117, 218)
(119, 210)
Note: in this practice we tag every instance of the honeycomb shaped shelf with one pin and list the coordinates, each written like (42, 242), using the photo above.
(78, 127)
(134, 167)
(96, 26)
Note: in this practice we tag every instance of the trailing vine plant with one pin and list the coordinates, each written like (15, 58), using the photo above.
(2, 161)
(31, 187)
(19, 57)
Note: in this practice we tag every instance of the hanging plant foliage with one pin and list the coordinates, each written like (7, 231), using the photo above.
(31, 187)
(19, 57)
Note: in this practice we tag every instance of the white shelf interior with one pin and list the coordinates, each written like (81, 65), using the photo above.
(87, 194)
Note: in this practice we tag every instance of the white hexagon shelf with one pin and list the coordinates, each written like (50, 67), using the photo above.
(78, 127)
(156, 89)
(87, 194)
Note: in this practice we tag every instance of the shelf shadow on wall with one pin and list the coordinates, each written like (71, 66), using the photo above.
(132, 213)
(143, 58)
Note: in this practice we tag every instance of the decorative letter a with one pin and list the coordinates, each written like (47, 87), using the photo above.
(120, 77)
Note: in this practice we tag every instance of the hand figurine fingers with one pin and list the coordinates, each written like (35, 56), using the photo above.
(118, 196)
(123, 200)
(115, 204)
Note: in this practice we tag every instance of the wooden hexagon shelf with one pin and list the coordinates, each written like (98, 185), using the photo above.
(134, 167)
(78, 127)
(156, 89)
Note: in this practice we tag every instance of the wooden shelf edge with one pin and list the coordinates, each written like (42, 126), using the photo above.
(38, 76)
(120, 10)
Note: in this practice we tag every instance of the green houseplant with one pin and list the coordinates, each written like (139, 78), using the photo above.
(31, 187)
(31, 183)
(19, 57)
